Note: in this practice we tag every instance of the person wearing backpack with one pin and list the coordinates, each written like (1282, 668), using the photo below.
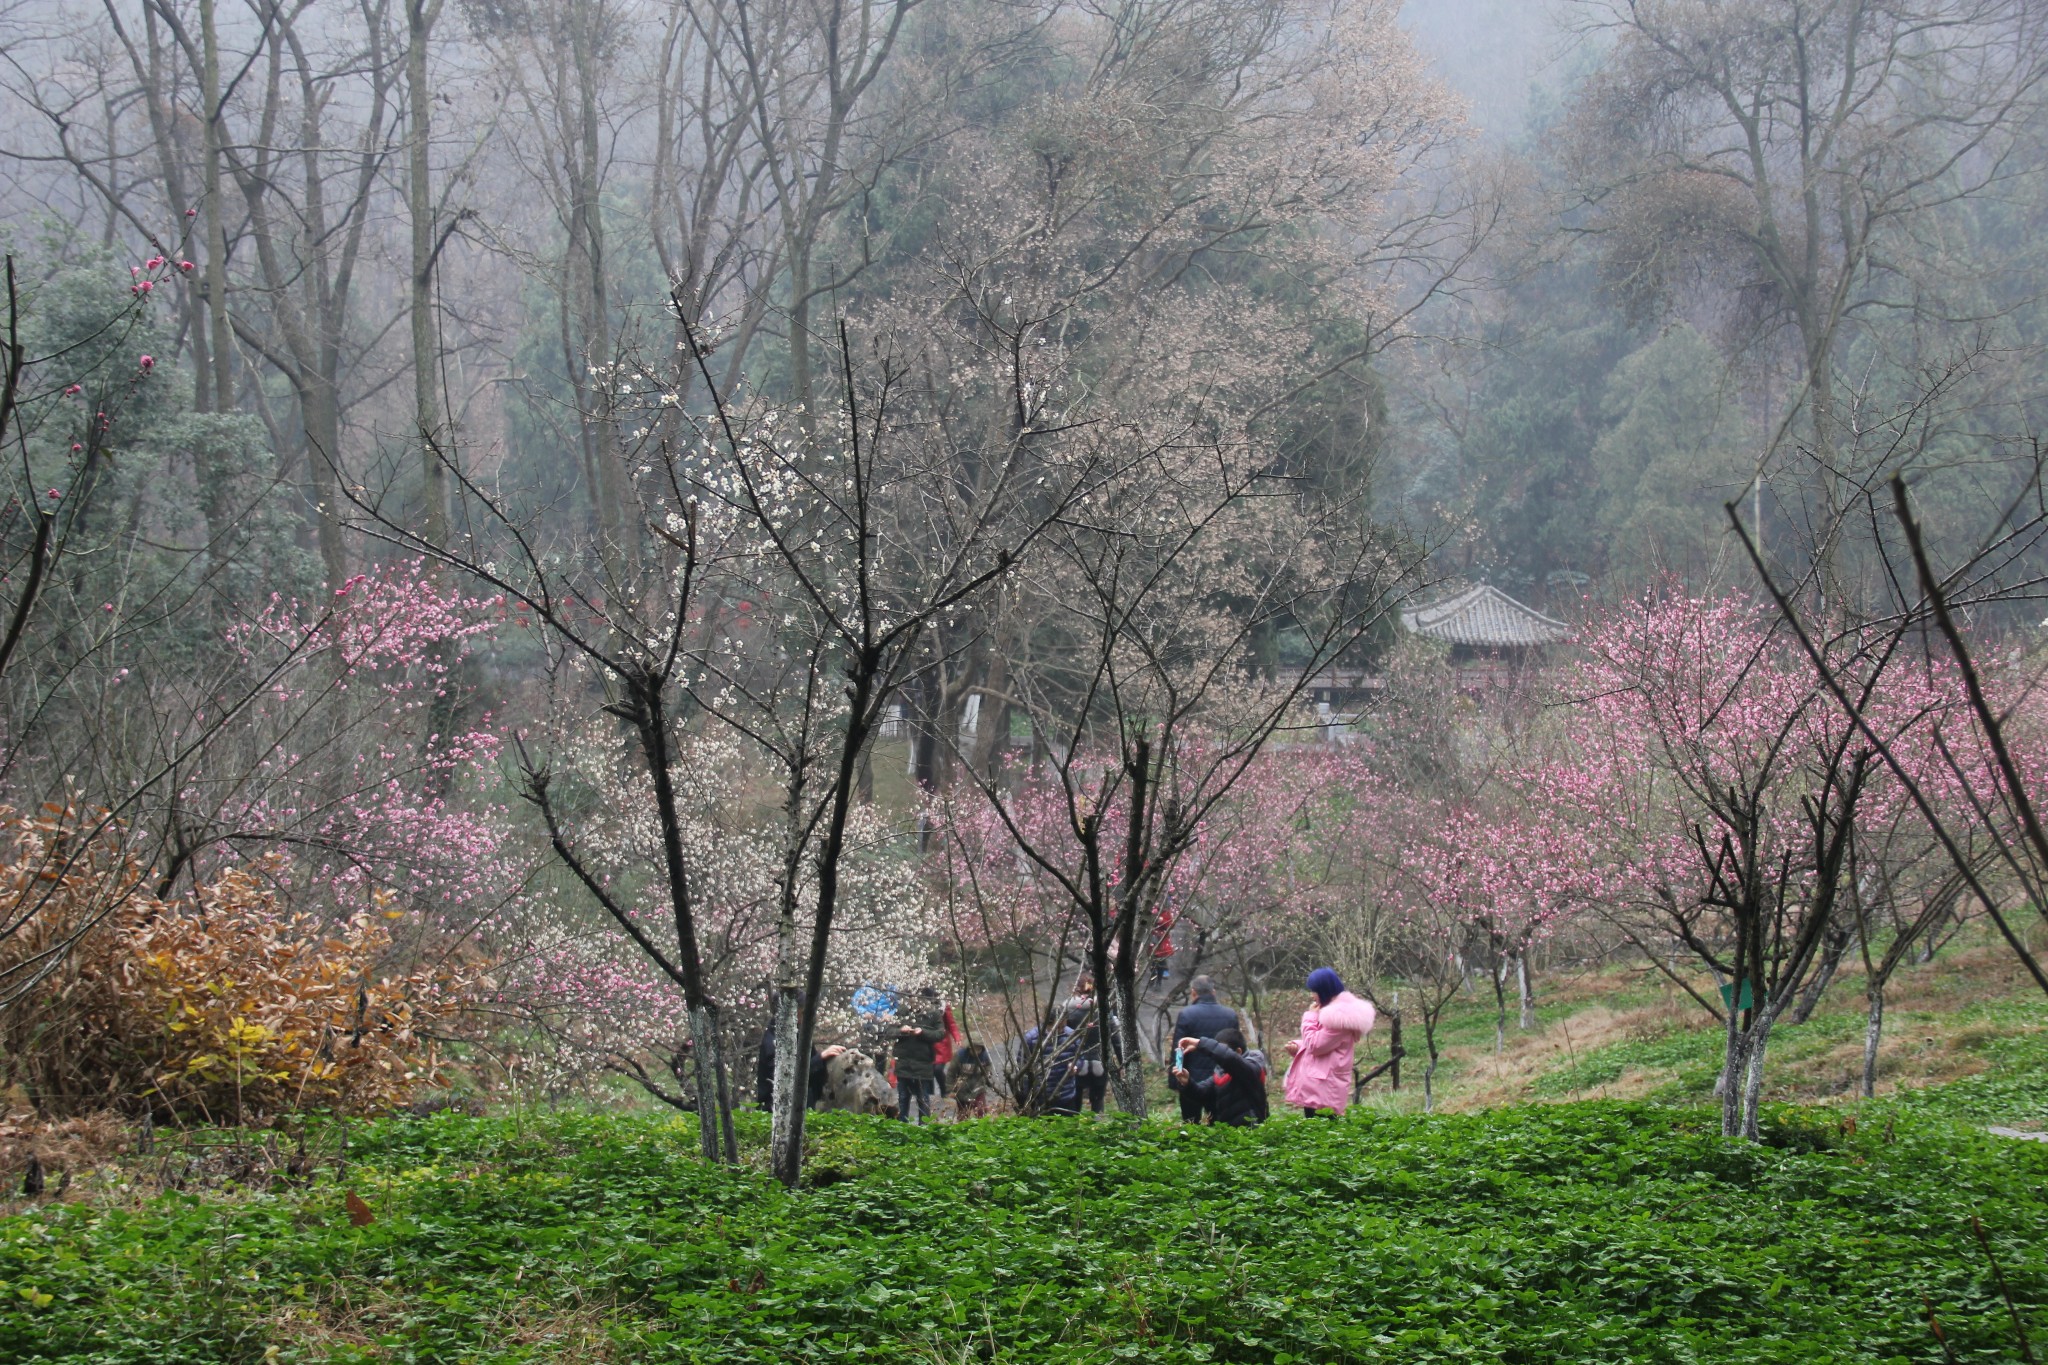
(1050, 1062)
(1091, 1078)
(1234, 1092)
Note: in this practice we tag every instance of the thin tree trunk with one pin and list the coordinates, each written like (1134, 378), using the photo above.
(1125, 1060)
(420, 15)
(319, 408)
(714, 1101)
(1753, 1077)
(1528, 1019)
(216, 228)
(789, 1087)
(1873, 1033)
(1500, 1004)
(792, 1079)
(1837, 945)
(1734, 1064)
(714, 1116)
(1128, 1072)
(594, 306)
(800, 341)
(1429, 1072)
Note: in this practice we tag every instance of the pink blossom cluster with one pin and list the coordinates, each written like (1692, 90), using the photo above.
(350, 761)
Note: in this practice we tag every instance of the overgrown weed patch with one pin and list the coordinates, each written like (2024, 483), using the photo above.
(1565, 1232)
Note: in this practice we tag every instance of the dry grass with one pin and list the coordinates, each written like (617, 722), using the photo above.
(544, 1328)
(1484, 1080)
(65, 1150)
(1926, 1041)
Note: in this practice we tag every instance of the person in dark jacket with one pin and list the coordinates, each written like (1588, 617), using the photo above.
(764, 1072)
(1235, 1089)
(917, 1037)
(1051, 1059)
(1203, 1017)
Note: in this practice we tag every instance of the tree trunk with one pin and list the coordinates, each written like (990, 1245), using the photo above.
(790, 1089)
(714, 1113)
(420, 16)
(1753, 1075)
(1873, 1033)
(320, 412)
(1429, 1072)
(1500, 1004)
(586, 229)
(1831, 958)
(216, 228)
(1734, 1064)
(800, 340)
(792, 1065)
(1528, 1019)
(1125, 1061)
(1394, 1043)
(1127, 1072)
(714, 1099)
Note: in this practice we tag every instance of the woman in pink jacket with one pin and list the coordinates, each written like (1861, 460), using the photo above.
(1320, 1076)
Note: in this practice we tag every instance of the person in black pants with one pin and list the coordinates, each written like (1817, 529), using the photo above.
(1203, 1017)
(1235, 1090)
(764, 1072)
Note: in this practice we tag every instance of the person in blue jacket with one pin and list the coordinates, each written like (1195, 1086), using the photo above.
(1056, 1059)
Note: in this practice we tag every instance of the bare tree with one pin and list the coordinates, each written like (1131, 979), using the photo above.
(1790, 149)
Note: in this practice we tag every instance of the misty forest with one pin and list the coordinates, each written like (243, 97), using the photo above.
(714, 680)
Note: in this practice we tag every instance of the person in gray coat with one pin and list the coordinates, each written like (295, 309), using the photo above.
(1203, 1017)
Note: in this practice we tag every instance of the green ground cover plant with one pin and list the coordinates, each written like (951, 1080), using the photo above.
(1597, 1231)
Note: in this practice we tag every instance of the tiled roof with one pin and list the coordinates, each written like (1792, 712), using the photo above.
(1485, 617)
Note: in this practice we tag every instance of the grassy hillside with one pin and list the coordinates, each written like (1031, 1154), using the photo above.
(1571, 1202)
(1970, 1020)
(1594, 1231)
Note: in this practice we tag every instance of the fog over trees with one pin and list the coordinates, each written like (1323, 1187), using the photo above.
(694, 507)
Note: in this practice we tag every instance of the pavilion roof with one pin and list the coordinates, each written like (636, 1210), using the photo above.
(1485, 617)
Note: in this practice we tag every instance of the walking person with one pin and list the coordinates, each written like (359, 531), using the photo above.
(1084, 1020)
(917, 1037)
(1319, 1078)
(1202, 1017)
(1235, 1090)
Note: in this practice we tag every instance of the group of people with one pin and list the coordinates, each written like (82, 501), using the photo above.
(921, 1040)
(1217, 1076)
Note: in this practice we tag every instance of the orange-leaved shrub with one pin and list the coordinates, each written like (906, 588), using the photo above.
(222, 1006)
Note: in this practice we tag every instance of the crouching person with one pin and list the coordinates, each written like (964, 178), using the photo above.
(1235, 1092)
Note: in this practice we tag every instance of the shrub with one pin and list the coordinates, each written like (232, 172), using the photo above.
(221, 1006)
